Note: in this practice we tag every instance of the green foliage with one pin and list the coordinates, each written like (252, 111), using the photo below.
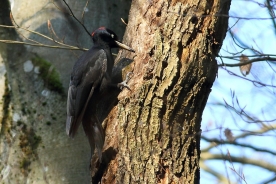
(49, 74)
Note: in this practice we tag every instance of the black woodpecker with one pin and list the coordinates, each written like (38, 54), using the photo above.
(90, 79)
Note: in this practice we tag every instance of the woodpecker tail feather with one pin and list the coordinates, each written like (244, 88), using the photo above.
(95, 133)
(99, 138)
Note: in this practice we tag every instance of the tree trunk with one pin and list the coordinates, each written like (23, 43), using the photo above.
(153, 134)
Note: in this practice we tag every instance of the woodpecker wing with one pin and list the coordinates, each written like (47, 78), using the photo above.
(87, 74)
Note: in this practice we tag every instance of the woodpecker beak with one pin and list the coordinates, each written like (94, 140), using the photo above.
(123, 46)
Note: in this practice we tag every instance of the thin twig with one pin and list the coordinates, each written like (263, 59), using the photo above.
(242, 160)
(248, 62)
(73, 15)
(224, 15)
(35, 42)
(253, 81)
(83, 12)
(255, 55)
(42, 45)
(235, 143)
(52, 31)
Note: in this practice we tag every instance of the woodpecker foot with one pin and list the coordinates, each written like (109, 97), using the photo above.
(123, 84)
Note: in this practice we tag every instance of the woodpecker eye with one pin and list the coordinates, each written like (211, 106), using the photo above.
(112, 35)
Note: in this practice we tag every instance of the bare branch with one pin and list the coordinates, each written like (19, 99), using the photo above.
(73, 15)
(224, 15)
(269, 181)
(222, 142)
(41, 45)
(83, 12)
(52, 31)
(35, 43)
(249, 61)
(242, 160)
(216, 174)
(240, 175)
(253, 81)
(255, 55)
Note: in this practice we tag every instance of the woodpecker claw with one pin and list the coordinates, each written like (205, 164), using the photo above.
(123, 84)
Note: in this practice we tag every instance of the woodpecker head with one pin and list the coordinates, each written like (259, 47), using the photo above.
(105, 37)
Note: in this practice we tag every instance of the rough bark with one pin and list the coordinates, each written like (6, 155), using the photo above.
(153, 134)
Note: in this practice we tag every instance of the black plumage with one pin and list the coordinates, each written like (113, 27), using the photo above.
(90, 80)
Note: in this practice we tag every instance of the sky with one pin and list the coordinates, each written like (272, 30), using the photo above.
(259, 101)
